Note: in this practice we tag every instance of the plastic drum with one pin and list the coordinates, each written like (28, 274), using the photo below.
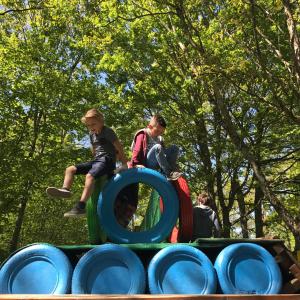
(156, 234)
(36, 269)
(109, 269)
(181, 269)
(246, 268)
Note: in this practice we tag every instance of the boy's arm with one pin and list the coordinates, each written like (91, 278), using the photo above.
(162, 142)
(120, 152)
(217, 229)
(93, 151)
(92, 146)
(137, 151)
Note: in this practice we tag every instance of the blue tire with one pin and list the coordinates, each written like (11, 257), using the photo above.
(109, 269)
(37, 269)
(181, 269)
(245, 268)
(160, 231)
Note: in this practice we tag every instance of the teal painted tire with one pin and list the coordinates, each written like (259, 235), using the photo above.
(109, 269)
(181, 269)
(37, 269)
(161, 230)
(246, 268)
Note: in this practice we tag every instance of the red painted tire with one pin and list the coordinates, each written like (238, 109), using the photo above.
(185, 232)
(173, 237)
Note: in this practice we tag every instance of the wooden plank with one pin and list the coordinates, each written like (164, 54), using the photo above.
(291, 287)
(296, 283)
(284, 252)
(148, 297)
(278, 248)
(288, 264)
(295, 270)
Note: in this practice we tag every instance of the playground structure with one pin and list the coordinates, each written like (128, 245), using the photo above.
(143, 263)
(161, 214)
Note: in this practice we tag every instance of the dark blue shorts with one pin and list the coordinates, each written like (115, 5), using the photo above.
(99, 167)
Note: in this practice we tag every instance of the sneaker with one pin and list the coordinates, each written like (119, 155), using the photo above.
(58, 193)
(174, 176)
(75, 212)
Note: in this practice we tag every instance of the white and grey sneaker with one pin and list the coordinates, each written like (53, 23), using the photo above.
(174, 176)
(58, 193)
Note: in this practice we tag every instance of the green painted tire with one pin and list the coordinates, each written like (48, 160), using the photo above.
(153, 212)
(96, 233)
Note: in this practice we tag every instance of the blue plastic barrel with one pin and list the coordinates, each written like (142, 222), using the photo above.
(36, 269)
(109, 269)
(246, 268)
(181, 269)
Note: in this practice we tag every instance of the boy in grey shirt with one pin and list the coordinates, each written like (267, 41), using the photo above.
(105, 147)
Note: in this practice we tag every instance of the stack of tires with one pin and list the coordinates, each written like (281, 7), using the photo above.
(241, 268)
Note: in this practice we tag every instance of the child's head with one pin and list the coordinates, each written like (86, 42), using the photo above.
(203, 198)
(157, 125)
(94, 120)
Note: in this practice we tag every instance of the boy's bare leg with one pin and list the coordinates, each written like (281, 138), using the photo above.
(79, 209)
(88, 188)
(69, 177)
(64, 192)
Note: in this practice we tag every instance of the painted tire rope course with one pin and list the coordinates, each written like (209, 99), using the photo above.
(181, 269)
(161, 230)
(245, 268)
(36, 269)
(109, 269)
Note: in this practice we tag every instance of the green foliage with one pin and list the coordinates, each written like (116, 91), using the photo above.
(132, 59)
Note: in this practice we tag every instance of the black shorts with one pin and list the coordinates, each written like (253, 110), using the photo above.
(99, 167)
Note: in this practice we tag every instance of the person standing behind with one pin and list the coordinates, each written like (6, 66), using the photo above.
(148, 149)
(105, 147)
(205, 222)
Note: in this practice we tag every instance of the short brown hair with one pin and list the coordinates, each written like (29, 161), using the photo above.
(158, 119)
(203, 198)
(92, 113)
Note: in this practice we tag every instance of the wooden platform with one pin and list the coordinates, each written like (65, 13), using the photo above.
(148, 297)
(288, 264)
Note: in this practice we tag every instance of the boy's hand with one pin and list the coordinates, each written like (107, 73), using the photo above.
(120, 169)
(139, 166)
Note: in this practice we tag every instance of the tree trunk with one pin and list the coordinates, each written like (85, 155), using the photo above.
(297, 239)
(294, 39)
(225, 208)
(246, 152)
(226, 222)
(37, 117)
(242, 209)
(21, 212)
(258, 212)
(205, 157)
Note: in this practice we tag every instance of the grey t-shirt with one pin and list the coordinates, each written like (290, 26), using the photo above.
(103, 143)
